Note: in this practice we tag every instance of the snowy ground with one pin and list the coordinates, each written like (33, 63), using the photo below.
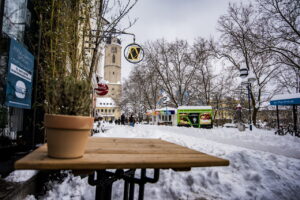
(262, 166)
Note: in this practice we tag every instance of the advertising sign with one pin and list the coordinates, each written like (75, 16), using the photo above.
(19, 76)
(195, 116)
(205, 119)
(188, 119)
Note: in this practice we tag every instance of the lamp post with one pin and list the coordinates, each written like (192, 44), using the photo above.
(249, 78)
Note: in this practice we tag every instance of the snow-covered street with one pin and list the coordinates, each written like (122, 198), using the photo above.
(262, 166)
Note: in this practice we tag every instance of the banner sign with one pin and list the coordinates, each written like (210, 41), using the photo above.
(19, 76)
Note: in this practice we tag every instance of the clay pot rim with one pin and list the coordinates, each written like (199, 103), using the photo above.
(68, 121)
(67, 116)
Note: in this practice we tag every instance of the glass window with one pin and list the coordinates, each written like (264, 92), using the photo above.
(114, 49)
(101, 110)
(113, 59)
(15, 15)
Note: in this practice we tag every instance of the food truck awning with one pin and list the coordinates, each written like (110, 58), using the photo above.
(194, 108)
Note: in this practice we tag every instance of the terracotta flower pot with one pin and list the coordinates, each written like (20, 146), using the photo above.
(67, 135)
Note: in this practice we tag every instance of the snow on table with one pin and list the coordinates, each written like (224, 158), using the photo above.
(262, 166)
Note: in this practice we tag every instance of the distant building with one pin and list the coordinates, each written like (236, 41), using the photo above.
(108, 105)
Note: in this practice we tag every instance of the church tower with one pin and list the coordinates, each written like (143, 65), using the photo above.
(112, 68)
(108, 105)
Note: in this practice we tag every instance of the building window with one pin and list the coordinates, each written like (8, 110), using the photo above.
(114, 49)
(113, 73)
(101, 110)
(113, 110)
(113, 59)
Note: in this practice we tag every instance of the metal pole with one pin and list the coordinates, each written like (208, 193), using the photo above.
(250, 122)
(36, 81)
(277, 113)
(295, 118)
(298, 81)
(1, 15)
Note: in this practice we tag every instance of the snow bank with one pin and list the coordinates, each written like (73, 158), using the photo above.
(20, 175)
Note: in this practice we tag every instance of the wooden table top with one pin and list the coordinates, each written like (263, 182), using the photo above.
(123, 153)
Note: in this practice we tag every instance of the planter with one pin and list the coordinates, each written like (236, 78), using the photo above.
(67, 135)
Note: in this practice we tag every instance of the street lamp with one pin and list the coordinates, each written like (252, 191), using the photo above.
(248, 78)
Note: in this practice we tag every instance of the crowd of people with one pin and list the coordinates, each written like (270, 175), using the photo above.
(130, 120)
(122, 121)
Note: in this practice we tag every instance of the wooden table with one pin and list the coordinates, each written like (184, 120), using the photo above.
(120, 154)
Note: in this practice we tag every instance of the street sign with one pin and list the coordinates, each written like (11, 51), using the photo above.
(19, 76)
(134, 53)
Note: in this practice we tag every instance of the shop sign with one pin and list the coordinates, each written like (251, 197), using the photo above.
(134, 53)
(19, 76)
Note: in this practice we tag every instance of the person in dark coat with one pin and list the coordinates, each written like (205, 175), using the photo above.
(131, 121)
(123, 119)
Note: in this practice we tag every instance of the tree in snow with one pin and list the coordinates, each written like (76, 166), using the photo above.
(281, 19)
(241, 32)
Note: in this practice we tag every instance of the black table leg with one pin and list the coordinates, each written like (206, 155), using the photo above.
(126, 186)
(105, 180)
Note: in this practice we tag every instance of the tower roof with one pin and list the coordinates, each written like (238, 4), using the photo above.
(113, 40)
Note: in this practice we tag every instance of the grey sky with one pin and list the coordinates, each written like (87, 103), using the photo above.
(174, 19)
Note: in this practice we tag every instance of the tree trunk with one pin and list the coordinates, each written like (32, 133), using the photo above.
(254, 115)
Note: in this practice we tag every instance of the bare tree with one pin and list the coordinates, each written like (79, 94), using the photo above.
(288, 79)
(241, 32)
(137, 95)
(177, 66)
(115, 11)
(224, 88)
(281, 19)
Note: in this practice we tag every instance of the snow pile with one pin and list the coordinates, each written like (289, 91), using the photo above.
(71, 188)
(262, 166)
(20, 175)
(251, 174)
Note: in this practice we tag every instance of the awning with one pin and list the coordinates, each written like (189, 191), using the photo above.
(286, 99)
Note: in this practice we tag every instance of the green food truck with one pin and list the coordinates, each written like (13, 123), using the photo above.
(195, 116)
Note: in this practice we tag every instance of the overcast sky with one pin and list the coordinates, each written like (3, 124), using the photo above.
(173, 19)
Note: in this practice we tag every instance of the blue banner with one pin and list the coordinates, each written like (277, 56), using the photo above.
(19, 76)
(285, 102)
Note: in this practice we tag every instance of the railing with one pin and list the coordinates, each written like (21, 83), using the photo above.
(290, 129)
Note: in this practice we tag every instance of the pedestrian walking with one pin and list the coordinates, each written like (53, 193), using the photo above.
(131, 121)
(123, 119)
